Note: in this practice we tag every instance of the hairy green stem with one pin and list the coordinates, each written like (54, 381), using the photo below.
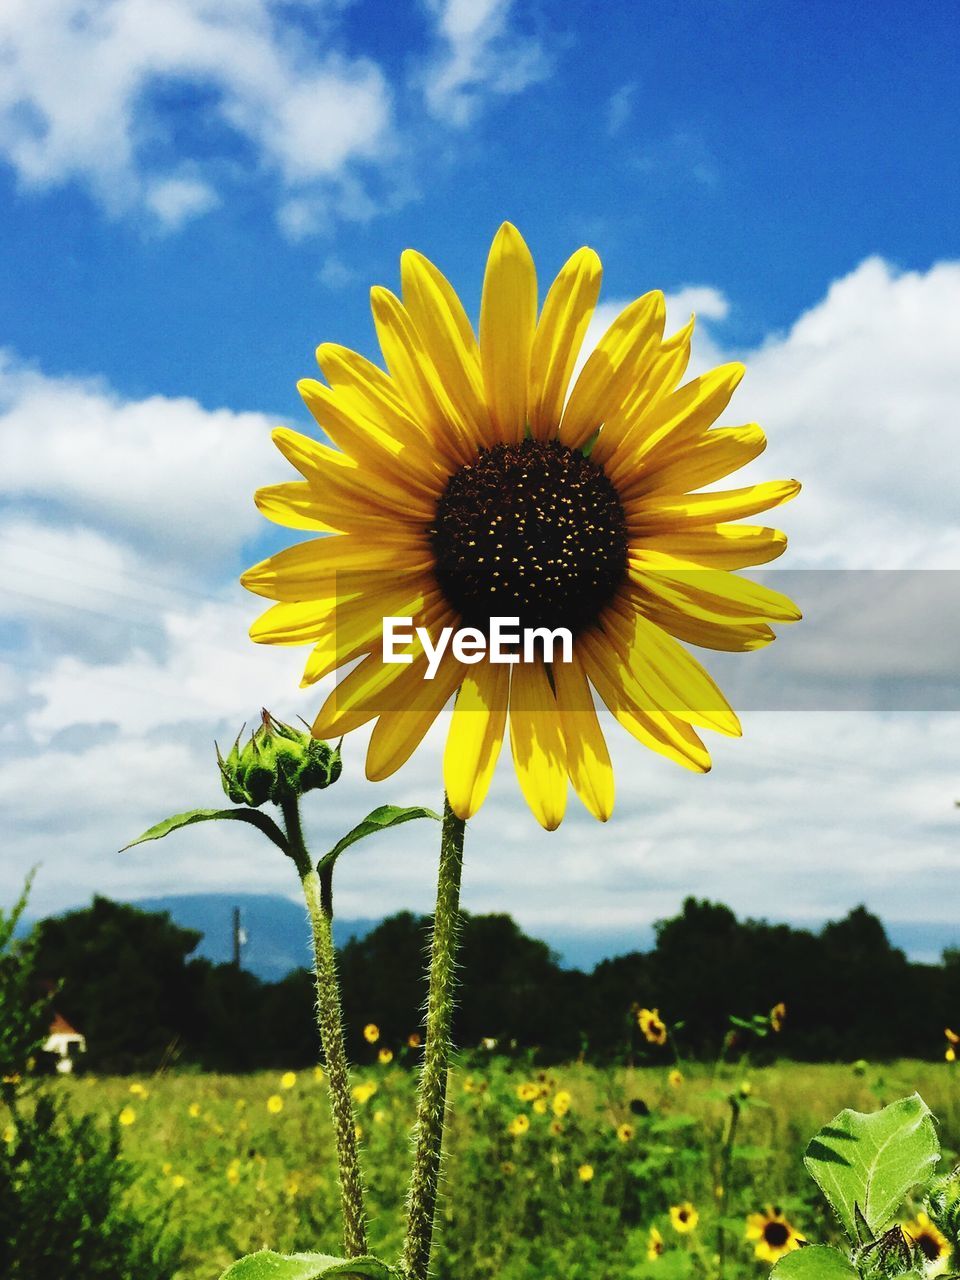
(726, 1162)
(330, 1022)
(432, 1095)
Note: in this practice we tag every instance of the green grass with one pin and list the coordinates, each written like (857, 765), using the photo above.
(232, 1176)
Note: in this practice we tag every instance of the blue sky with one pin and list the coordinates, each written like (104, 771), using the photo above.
(193, 195)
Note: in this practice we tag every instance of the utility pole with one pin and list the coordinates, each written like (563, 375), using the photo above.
(238, 938)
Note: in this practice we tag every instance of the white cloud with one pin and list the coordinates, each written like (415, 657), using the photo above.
(334, 274)
(481, 53)
(177, 200)
(163, 476)
(82, 85)
(620, 107)
(859, 401)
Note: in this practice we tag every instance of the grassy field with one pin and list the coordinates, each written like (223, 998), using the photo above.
(572, 1189)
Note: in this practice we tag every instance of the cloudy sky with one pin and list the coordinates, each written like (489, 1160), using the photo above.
(193, 195)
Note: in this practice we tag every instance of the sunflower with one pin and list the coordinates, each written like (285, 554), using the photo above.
(778, 1016)
(931, 1242)
(652, 1026)
(470, 481)
(683, 1217)
(773, 1234)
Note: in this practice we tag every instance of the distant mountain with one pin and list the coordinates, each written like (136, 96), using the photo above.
(276, 930)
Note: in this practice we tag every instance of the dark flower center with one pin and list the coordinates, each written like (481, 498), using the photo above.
(534, 531)
(776, 1234)
(929, 1246)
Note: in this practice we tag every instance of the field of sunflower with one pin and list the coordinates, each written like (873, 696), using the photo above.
(574, 1171)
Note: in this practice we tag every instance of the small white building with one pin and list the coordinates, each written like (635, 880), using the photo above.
(64, 1042)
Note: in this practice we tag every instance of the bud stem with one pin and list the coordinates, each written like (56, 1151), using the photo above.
(432, 1093)
(330, 1022)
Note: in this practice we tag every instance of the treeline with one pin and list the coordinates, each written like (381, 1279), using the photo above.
(129, 984)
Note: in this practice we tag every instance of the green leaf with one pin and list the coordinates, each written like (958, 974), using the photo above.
(815, 1262)
(256, 819)
(388, 815)
(872, 1161)
(268, 1265)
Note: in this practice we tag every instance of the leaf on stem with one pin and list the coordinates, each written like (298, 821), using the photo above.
(866, 1164)
(815, 1262)
(256, 819)
(268, 1265)
(388, 815)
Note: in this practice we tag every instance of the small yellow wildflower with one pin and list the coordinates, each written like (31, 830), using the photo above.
(951, 1036)
(274, 1104)
(540, 1106)
(931, 1242)
(379, 1116)
(746, 1088)
(625, 1132)
(194, 1110)
(413, 1040)
(288, 1080)
(683, 1217)
(778, 1016)
(292, 1187)
(178, 1182)
(371, 1033)
(950, 1053)
(385, 1056)
(233, 1172)
(561, 1102)
(362, 1093)
(319, 1074)
(773, 1234)
(675, 1078)
(585, 1173)
(527, 1091)
(654, 1244)
(127, 1116)
(166, 1168)
(138, 1090)
(519, 1125)
(556, 1128)
(652, 1026)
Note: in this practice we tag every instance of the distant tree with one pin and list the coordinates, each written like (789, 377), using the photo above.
(125, 982)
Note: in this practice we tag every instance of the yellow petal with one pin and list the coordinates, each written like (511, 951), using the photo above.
(672, 679)
(398, 733)
(366, 390)
(698, 462)
(657, 730)
(561, 328)
(475, 736)
(339, 479)
(715, 596)
(719, 546)
(307, 569)
(613, 368)
(448, 340)
(508, 317)
(724, 636)
(664, 513)
(356, 626)
(660, 377)
(679, 416)
(412, 371)
(588, 760)
(295, 622)
(539, 753)
(411, 461)
(293, 504)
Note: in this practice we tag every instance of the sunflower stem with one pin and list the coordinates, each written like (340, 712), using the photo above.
(726, 1163)
(330, 1022)
(432, 1092)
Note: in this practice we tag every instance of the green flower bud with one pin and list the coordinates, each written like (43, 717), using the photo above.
(278, 763)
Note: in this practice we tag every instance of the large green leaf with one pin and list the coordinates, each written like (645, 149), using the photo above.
(815, 1262)
(388, 815)
(268, 1265)
(870, 1162)
(255, 818)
